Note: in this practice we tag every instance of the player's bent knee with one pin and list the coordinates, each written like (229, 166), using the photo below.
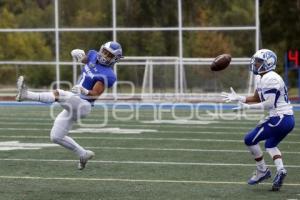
(55, 139)
(56, 135)
(248, 141)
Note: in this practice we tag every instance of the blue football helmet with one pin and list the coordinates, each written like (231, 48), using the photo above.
(110, 53)
(262, 61)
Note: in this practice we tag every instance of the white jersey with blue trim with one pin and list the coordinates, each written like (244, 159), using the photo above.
(272, 84)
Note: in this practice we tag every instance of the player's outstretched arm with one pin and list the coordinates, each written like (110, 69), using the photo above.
(234, 97)
(253, 99)
(267, 104)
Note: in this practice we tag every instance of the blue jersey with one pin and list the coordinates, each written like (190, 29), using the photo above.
(93, 72)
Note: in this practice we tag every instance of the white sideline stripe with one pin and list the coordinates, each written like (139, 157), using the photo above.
(187, 150)
(135, 180)
(142, 162)
(140, 138)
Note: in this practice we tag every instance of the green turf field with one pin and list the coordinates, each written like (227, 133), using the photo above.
(138, 158)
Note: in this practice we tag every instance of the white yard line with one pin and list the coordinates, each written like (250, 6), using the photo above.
(113, 130)
(131, 125)
(241, 128)
(180, 149)
(134, 120)
(156, 132)
(186, 125)
(135, 180)
(25, 129)
(12, 144)
(140, 138)
(27, 123)
(142, 162)
(212, 126)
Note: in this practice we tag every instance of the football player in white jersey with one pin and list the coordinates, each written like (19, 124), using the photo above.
(271, 94)
(96, 75)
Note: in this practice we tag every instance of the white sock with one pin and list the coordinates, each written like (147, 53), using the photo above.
(255, 151)
(276, 156)
(45, 97)
(278, 163)
(261, 165)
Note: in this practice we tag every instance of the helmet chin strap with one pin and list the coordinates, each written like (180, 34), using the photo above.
(257, 71)
(104, 61)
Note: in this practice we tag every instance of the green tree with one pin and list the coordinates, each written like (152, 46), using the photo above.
(22, 46)
(280, 25)
(280, 29)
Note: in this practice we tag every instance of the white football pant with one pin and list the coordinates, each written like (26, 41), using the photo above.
(74, 108)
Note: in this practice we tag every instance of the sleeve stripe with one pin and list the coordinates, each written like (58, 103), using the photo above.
(271, 91)
(277, 94)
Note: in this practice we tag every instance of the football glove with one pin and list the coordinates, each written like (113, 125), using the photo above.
(77, 89)
(229, 97)
(78, 54)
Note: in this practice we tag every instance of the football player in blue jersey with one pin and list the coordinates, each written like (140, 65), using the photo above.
(96, 75)
(271, 94)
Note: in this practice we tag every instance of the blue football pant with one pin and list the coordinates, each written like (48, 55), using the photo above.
(274, 130)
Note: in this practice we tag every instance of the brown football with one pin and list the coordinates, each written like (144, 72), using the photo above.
(220, 62)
